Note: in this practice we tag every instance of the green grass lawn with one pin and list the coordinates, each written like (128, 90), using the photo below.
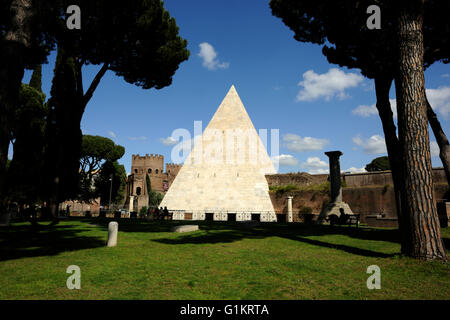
(221, 261)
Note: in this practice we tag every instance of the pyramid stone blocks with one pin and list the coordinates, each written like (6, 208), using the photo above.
(225, 171)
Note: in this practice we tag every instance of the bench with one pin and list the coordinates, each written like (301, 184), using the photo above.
(349, 219)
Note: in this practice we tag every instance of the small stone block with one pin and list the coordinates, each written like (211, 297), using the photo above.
(185, 228)
(113, 229)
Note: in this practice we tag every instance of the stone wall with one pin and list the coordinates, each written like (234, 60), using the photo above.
(298, 179)
(366, 201)
(382, 178)
(301, 199)
(80, 207)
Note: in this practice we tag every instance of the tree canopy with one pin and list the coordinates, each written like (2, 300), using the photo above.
(378, 164)
(116, 171)
(137, 40)
(96, 151)
(391, 52)
(25, 175)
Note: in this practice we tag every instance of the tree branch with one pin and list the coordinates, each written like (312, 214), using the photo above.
(94, 84)
(79, 78)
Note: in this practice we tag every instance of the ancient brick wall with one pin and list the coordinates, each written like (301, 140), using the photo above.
(362, 200)
(383, 178)
(299, 179)
(301, 199)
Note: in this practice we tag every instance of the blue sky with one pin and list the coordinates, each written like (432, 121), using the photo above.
(284, 84)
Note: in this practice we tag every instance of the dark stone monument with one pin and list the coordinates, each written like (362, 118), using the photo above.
(336, 203)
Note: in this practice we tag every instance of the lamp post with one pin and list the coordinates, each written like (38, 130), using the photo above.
(110, 192)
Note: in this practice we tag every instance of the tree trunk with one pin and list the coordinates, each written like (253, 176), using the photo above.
(441, 139)
(382, 87)
(15, 41)
(420, 208)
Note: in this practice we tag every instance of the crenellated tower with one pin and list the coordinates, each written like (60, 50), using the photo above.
(152, 166)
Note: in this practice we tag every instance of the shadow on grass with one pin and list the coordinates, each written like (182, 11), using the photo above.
(25, 241)
(140, 225)
(296, 233)
(227, 232)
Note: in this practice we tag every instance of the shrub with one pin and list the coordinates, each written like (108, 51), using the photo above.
(306, 210)
(143, 212)
(320, 188)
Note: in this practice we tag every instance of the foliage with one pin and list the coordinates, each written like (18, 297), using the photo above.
(25, 173)
(95, 151)
(378, 164)
(155, 198)
(143, 212)
(137, 40)
(306, 210)
(282, 189)
(341, 28)
(36, 78)
(63, 134)
(103, 183)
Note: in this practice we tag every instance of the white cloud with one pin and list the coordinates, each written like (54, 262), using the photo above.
(296, 143)
(368, 111)
(208, 54)
(314, 165)
(445, 75)
(112, 134)
(440, 100)
(169, 141)
(374, 145)
(141, 138)
(285, 160)
(434, 149)
(327, 85)
(355, 170)
(365, 111)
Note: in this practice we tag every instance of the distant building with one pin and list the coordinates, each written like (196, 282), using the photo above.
(160, 180)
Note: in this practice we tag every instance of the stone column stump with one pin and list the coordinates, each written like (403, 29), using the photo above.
(289, 216)
(336, 203)
(113, 229)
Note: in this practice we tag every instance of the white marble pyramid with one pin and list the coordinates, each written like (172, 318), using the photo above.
(225, 171)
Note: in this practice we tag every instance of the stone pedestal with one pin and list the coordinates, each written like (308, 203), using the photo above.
(289, 216)
(113, 229)
(131, 204)
(336, 203)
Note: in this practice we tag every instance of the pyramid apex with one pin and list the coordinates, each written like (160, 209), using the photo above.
(232, 89)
